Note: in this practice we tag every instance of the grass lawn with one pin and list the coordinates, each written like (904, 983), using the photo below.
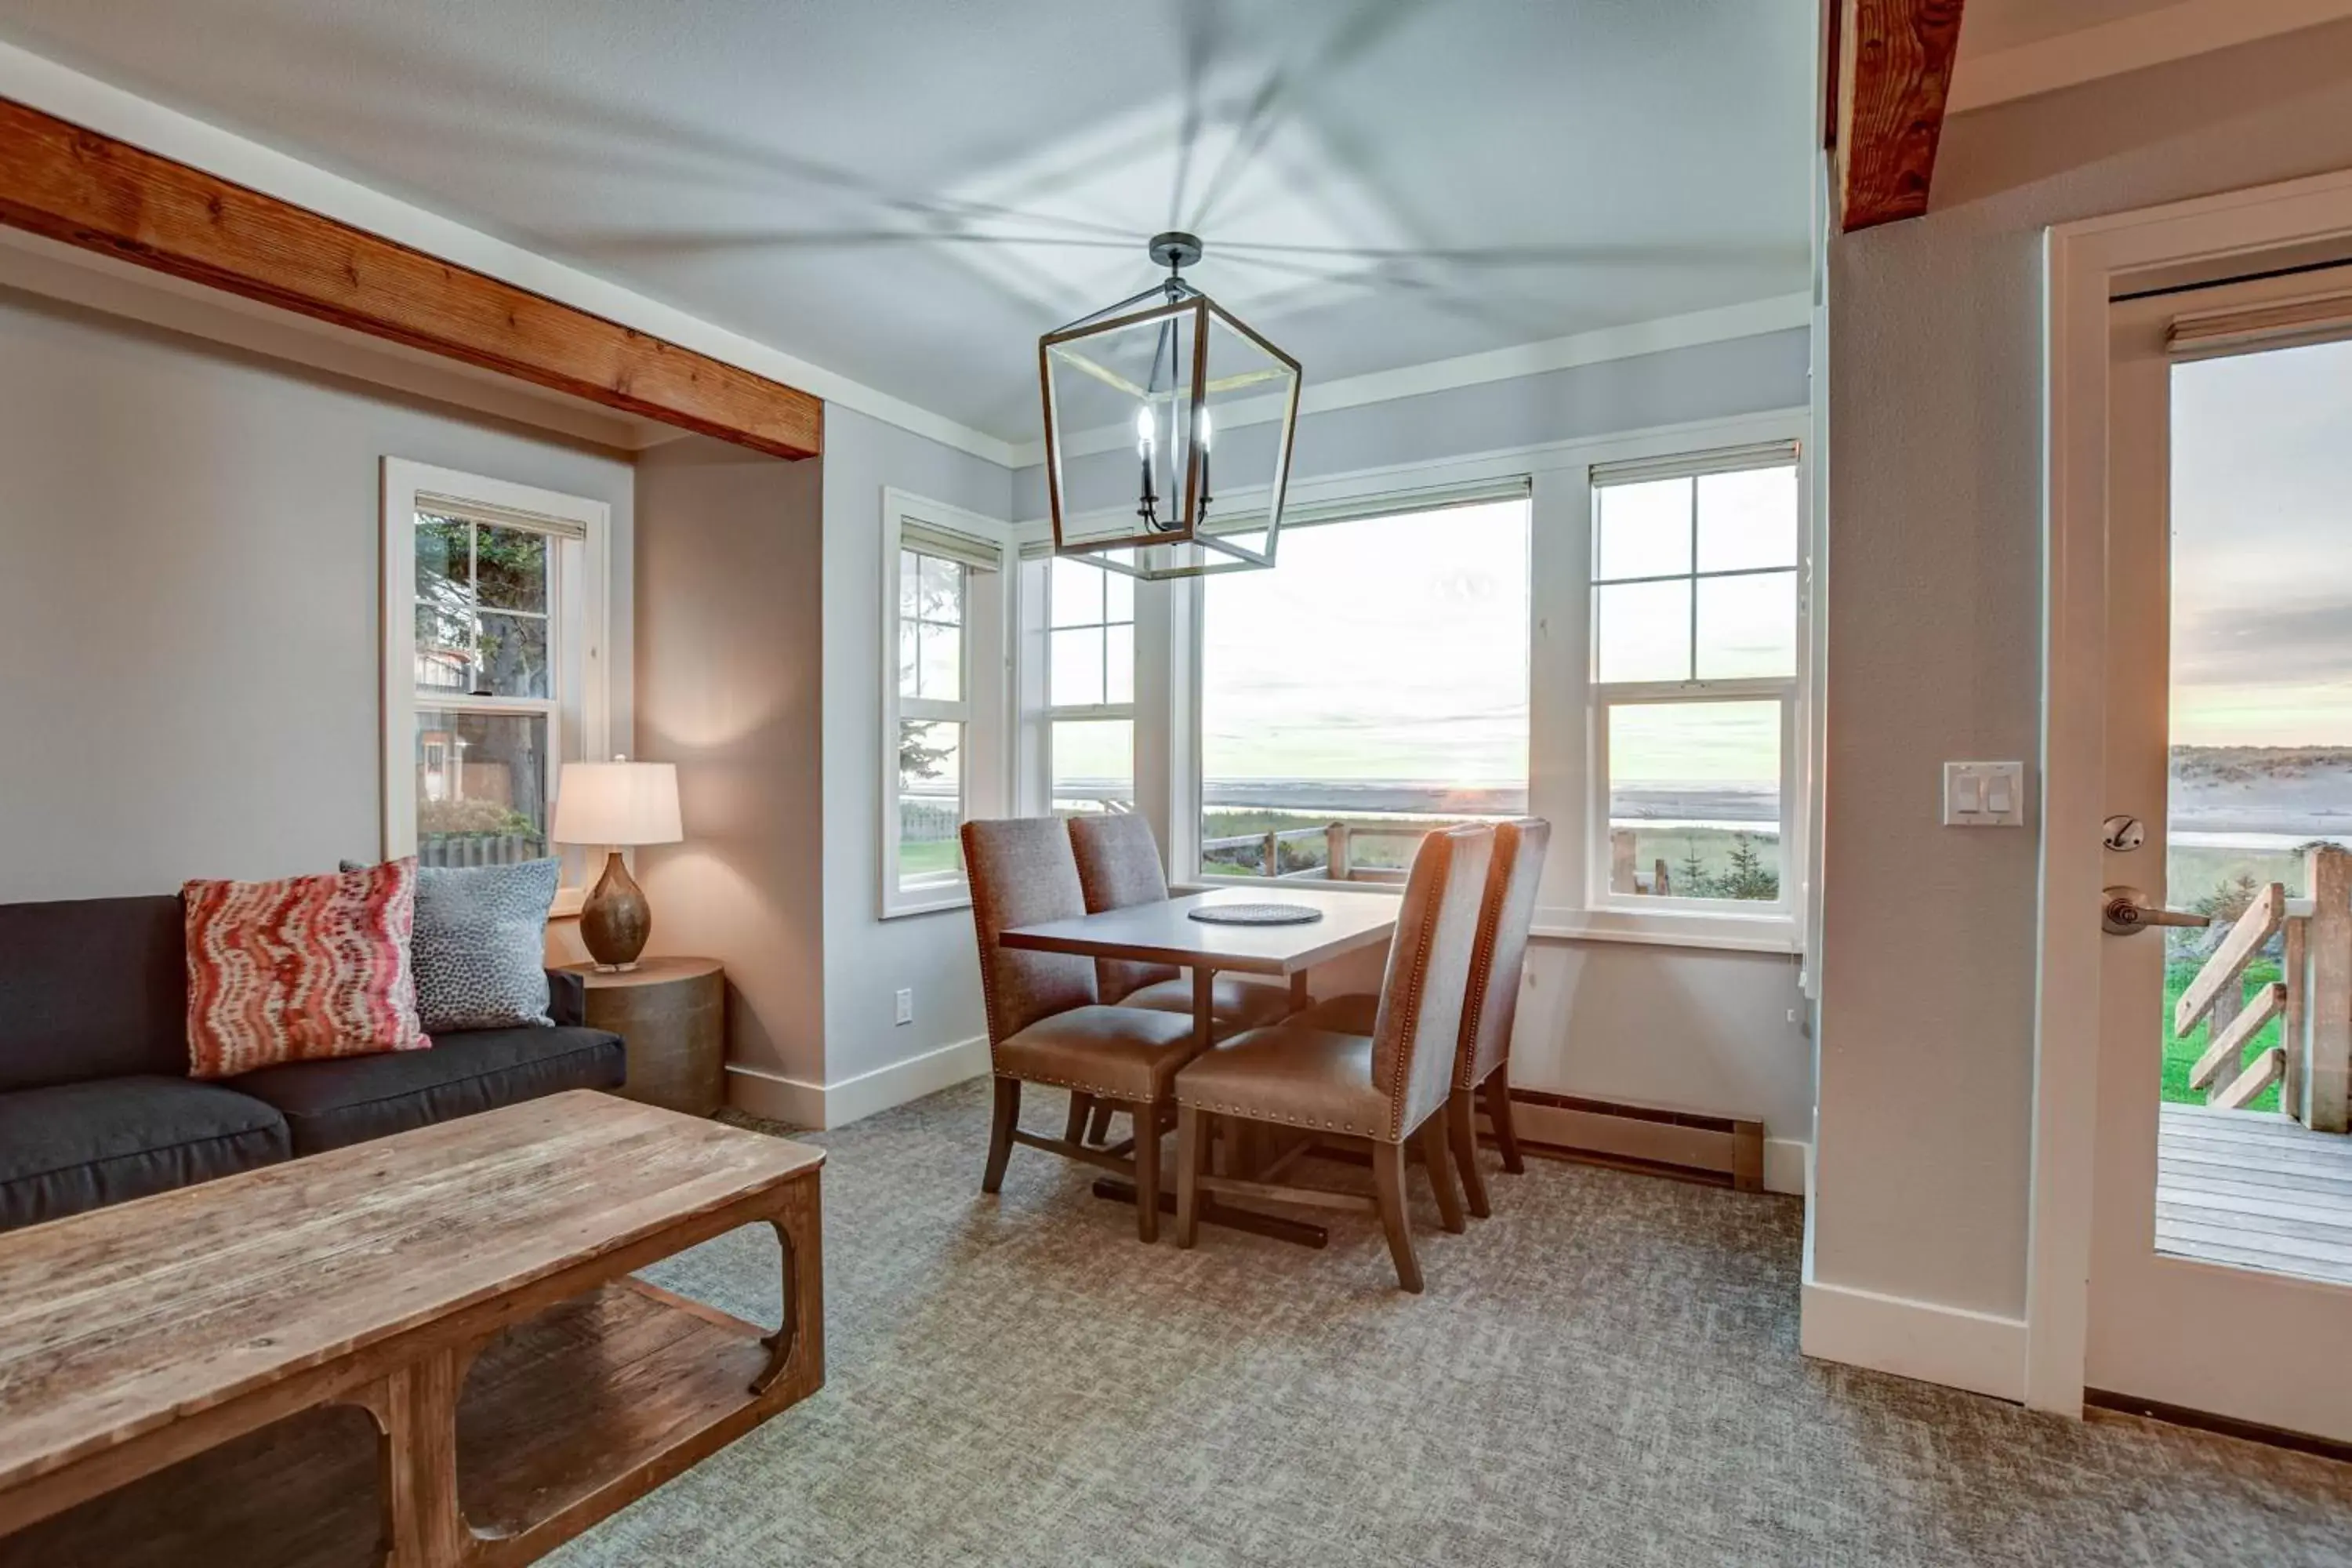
(923, 858)
(2180, 1055)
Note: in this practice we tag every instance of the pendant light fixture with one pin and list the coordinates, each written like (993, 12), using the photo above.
(1158, 375)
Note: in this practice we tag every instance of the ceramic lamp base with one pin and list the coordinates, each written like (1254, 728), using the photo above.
(615, 921)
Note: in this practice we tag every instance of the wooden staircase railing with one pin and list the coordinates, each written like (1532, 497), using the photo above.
(2313, 1001)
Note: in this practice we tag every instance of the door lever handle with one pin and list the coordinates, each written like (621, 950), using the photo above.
(2122, 914)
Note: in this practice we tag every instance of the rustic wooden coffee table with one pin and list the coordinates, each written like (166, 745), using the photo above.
(424, 1351)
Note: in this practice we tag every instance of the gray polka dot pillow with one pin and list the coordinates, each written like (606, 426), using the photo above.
(481, 943)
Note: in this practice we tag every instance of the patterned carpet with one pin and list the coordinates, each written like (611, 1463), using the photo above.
(1604, 1373)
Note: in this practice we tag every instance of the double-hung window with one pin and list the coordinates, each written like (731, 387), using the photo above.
(943, 695)
(1696, 600)
(1090, 689)
(494, 663)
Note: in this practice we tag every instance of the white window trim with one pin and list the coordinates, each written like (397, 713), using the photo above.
(1560, 707)
(583, 574)
(985, 710)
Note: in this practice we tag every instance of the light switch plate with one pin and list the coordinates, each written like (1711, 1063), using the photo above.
(1984, 795)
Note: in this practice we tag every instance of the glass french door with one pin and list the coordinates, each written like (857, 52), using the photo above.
(2221, 1259)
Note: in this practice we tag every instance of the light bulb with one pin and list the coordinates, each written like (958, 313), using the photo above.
(1204, 427)
(1143, 429)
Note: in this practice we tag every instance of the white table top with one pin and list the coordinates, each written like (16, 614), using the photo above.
(1164, 932)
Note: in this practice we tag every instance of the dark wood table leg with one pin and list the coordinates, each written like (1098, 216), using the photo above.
(796, 1349)
(1276, 1227)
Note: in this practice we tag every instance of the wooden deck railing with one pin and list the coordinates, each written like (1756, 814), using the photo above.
(1338, 863)
(2312, 1000)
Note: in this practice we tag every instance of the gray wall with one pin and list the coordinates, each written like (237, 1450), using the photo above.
(730, 687)
(1934, 637)
(188, 603)
(867, 958)
(1712, 381)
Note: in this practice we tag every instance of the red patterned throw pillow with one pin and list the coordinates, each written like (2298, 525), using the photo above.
(303, 969)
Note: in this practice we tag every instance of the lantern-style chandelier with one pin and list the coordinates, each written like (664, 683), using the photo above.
(1163, 375)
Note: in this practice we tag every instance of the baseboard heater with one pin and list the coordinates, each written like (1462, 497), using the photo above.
(1722, 1150)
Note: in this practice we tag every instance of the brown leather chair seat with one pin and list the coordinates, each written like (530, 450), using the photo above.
(1320, 1080)
(1350, 1014)
(1235, 1003)
(1117, 1053)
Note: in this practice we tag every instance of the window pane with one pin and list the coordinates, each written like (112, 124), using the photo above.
(931, 803)
(511, 568)
(909, 662)
(1747, 626)
(1694, 800)
(1641, 631)
(1076, 593)
(481, 787)
(444, 656)
(1747, 519)
(941, 587)
(1643, 531)
(910, 594)
(1094, 765)
(940, 651)
(1377, 679)
(1119, 665)
(513, 656)
(443, 563)
(1076, 674)
(1119, 594)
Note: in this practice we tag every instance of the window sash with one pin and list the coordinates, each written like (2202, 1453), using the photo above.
(1598, 893)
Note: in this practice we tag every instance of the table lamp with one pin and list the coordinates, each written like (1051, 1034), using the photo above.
(616, 804)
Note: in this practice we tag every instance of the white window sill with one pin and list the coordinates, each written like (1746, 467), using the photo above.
(920, 904)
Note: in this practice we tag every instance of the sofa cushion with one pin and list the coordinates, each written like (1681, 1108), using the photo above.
(92, 989)
(300, 969)
(70, 1147)
(327, 1104)
(479, 942)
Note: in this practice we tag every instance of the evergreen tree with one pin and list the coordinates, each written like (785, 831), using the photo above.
(1747, 876)
(1690, 879)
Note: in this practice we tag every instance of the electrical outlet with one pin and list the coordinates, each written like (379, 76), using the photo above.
(906, 1006)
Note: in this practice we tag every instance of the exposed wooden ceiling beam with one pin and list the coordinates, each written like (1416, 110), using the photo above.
(69, 183)
(1894, 71)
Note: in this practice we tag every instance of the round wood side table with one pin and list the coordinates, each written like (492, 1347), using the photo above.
(672, 1014)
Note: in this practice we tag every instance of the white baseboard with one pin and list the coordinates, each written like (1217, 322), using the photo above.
(1787, 1166)
(829, 1105)
(1951, 1345)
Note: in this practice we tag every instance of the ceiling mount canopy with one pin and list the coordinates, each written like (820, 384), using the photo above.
(1165, 370)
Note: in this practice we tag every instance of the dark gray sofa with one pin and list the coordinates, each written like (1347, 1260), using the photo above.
(97, 1107)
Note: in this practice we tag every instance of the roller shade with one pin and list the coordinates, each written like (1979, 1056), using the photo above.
(1684, 464)
(947, 544)
(2282, 323)
(498, 516)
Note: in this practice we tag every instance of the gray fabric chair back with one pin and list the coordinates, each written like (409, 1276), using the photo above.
(93, 988)
(1503, 919)
(1118, 866)
(1418, 1030)
(1022, 872)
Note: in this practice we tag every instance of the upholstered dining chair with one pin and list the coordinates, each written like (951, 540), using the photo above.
(1118, 866)
(1380, 1089)
(1483, 1059)
(1044, 1025)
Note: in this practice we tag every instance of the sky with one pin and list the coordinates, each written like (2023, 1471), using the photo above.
(2262, 549)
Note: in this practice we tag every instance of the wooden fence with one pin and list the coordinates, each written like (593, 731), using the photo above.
(2312, 1000)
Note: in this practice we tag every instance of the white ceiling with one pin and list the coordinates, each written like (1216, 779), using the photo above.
(908, 192)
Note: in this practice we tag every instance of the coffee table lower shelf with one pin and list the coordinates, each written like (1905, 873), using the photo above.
(563, 1419)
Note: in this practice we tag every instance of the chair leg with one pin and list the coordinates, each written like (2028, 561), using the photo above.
(1497, 1090)
(1082, 1107)
(1432, 1139)
(1147, 1172)
(1388, 1176)
(1000, 1132)
(1098, 1124)
(1188, 1174)
(1462, 1132)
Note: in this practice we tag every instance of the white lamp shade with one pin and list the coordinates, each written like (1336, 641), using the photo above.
(617, 803)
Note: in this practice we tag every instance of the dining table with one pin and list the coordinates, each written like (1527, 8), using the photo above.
(1165, 931)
